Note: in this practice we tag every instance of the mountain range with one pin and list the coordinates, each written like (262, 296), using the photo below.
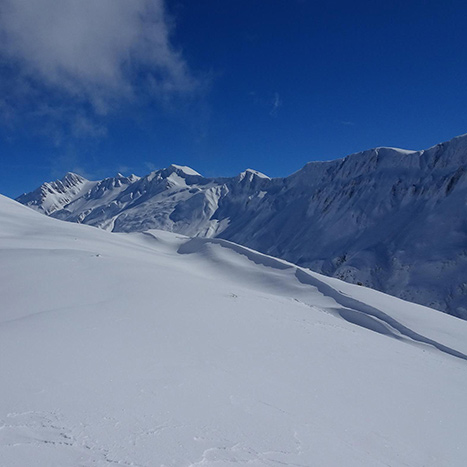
(390, 219)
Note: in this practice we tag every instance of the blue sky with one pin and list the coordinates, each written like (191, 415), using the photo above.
(109, 86)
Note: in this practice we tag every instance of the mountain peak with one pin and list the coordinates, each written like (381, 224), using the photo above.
(249, 174)
(180, 170)
(184, 169)
(71, 178)
(52, 196)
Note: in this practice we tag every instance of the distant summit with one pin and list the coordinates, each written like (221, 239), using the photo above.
(183, 168)
(52, 196)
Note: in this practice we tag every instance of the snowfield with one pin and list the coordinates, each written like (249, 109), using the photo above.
(156, 349)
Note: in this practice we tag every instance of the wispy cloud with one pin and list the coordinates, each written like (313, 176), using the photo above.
(150, 166)
(90, 55)
(276, 104)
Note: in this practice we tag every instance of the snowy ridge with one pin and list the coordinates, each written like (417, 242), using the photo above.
(387, 218)
(159, 349)
(53, 196)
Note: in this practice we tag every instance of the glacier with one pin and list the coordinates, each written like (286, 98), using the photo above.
(390, 219)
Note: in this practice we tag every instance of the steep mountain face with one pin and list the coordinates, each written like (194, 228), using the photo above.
(53, 196)
(386, 218)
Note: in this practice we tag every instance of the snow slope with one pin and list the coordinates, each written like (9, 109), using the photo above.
(155, 349)
(391, 219)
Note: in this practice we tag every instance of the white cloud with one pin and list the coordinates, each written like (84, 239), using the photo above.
(276, 104)
(99, 53)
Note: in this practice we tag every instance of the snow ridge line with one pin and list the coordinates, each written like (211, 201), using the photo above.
(352, 310)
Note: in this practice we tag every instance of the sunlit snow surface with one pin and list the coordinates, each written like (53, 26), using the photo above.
(154, 349)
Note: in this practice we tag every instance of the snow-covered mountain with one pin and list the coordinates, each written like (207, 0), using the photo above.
(52, 197)
(390, 219)
(151, 349)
